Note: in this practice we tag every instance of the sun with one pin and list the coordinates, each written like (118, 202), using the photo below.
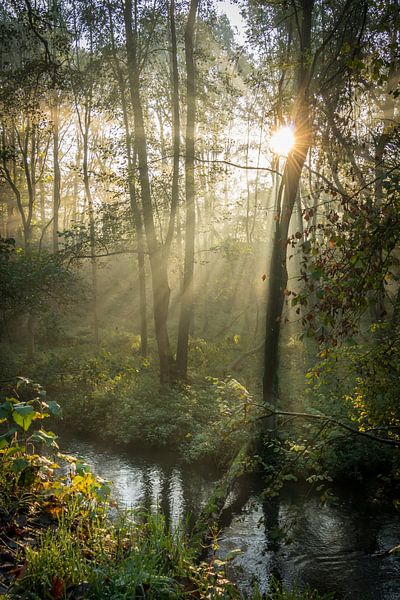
(282, 141)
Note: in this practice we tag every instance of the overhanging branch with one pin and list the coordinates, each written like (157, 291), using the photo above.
(327, 419)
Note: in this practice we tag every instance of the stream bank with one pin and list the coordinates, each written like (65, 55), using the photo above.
(343, 547)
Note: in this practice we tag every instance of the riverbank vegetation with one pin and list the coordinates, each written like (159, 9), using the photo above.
(199, 250)
(62, 536)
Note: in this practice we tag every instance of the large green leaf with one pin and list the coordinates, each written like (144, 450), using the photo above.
(6, 437)
(5, 410)
(19, 464)
(53, 407)
(23, 415)
(103, 492)
(44, 437)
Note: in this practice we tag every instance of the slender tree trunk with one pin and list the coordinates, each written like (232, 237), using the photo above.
(92, 230)
(278, 276)
(175, 127)
(248, 187)
(135, 210)
(9, 218)
(137, 218)
(56, 172)
(75, 186)
(158, 264)
(187, 298)
(378, 308)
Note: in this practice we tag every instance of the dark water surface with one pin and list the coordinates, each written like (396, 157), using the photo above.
(146, 479)
(343, 547)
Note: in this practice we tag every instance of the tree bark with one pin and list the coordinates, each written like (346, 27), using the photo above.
(56, 172)
(92, 230)
(175, 127)
(278, 276)
(135, 210)
(158, 263)
(187, 298)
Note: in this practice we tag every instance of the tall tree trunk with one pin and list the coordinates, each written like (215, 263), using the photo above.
(278, 276)
(75, 186)
(175, 127)
(56, 171)
(378, 308)
(92, 230)
(135, 210)
(187, 297)
(158, 264)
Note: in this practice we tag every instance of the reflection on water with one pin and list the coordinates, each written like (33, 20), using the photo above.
(349, 546)
(342, 548)
(150, 481)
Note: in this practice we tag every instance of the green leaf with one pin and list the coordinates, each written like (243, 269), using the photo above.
(316, 273)
(23, 415)
(82, 468)
(103, 492)
(54, 408)
(27, 476)
(290, 477)
(5, 410)
(19, 464)
(6, 437)
(23, 381)
(44, 437)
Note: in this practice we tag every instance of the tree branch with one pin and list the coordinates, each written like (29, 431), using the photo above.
(239, 359)
(328, 419)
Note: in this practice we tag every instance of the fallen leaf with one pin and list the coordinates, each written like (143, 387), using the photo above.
(57, 588)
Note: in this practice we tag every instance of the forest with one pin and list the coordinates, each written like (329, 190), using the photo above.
(199, 299)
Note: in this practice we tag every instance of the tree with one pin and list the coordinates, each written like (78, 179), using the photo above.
(187, 297)
(315, 51)
(157, 256)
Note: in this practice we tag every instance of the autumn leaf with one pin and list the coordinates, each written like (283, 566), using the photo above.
(57, 588)
(54, 511)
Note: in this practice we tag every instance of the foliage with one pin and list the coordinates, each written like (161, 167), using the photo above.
(22, 466)
(348, 262)
(69, 547)
(29, 283)
(204, 419)
(278, 592)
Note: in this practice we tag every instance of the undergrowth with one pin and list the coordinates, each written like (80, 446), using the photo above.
(62, 538)
(117, 397)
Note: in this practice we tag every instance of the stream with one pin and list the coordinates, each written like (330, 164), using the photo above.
(342, 547)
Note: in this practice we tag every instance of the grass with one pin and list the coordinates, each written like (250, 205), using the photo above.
(60, 543)
(83, 553)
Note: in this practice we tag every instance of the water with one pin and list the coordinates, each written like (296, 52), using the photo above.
(343, 547)
(148, 480)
